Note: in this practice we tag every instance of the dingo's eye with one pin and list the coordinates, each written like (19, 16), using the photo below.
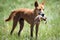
(39, 9)
(43, 9)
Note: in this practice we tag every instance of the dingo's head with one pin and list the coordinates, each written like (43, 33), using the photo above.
(39, 10)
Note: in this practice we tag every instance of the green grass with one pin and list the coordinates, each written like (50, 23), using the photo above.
(49, 31)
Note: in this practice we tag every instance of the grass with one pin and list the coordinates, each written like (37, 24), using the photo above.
(49, 31)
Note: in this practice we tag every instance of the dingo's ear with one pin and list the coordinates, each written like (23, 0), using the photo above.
(36, 4)
(43, 2)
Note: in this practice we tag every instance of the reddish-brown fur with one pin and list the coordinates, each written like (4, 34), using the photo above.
(24, 14)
